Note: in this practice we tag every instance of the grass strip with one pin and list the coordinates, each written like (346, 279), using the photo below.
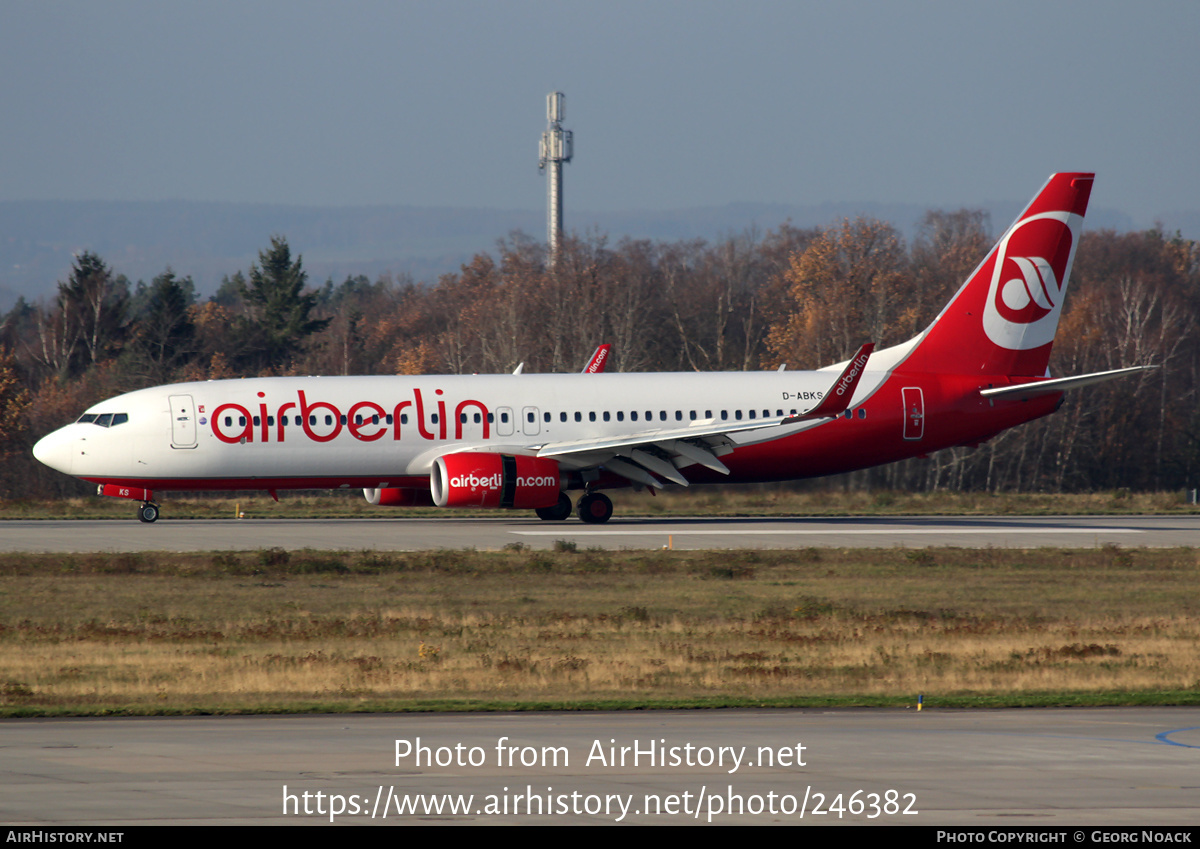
(273, 631)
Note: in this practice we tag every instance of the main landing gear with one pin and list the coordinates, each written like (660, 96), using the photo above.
(148, 512)
(594, 508)
(558, 512)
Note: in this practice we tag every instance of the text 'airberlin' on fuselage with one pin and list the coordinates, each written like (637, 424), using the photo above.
(322, 421)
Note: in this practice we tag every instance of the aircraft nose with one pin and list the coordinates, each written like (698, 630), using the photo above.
(56, 450)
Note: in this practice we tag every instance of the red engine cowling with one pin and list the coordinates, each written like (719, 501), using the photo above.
(392, 497)
(476, 479)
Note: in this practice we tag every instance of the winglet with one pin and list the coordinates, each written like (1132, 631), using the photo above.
(598, 361)
(837, 399)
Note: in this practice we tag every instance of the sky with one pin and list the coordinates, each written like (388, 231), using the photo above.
(673, 104)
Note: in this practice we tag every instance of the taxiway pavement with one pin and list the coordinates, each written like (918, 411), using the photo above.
(1006, 769)
(394, 534)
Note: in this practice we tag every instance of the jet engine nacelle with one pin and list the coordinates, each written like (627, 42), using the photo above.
(477, 479)
(392, 497)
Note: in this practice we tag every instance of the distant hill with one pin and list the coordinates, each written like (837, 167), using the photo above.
(210, 240)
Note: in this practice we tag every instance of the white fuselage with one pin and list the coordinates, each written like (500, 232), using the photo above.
(381, 431)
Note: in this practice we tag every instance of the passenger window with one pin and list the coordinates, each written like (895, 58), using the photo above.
(633, 416)
(241, 421)
(404, 418)
(607, 416)
(679, 415)
(270, 421)
(737, 414)
(329, 420)
(662, 415)
(591, 417)
(546, 417)
(862, 412)
(478, 419)
(620, 415)
(562, 417)
(433, 418)
(531, 417)
(692, 415)
(256, 421)
(724, 415)
(752, 414)
(579, 417)
(504, 417)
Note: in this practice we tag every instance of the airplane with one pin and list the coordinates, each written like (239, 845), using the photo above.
(525, 441)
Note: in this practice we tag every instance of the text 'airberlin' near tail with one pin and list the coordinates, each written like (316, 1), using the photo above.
(1002, 320)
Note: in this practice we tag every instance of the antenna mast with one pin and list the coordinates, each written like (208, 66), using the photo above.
(556, 148)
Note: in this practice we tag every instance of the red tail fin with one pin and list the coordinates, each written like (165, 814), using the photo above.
(1003, 319)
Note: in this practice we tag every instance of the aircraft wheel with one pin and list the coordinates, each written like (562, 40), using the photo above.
(595, 508)
(558, 512)
(148, 513)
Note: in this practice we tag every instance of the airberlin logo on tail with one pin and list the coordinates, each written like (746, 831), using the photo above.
(1029, 280)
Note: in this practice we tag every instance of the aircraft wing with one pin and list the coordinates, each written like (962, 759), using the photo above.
(639, 456)
(598, 361)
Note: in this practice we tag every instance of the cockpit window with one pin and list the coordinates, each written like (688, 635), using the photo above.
(103, 419)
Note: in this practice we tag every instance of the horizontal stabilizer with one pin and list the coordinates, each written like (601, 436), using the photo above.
(1059, 384)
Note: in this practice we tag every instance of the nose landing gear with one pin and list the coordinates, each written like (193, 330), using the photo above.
(148, 512)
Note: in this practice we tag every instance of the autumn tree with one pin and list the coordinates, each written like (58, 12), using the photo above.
(947, 248)
(87, 322)
(851, 285)
(14, 401)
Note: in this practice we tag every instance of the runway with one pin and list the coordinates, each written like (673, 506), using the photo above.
(1005, 769)
(390, 534)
